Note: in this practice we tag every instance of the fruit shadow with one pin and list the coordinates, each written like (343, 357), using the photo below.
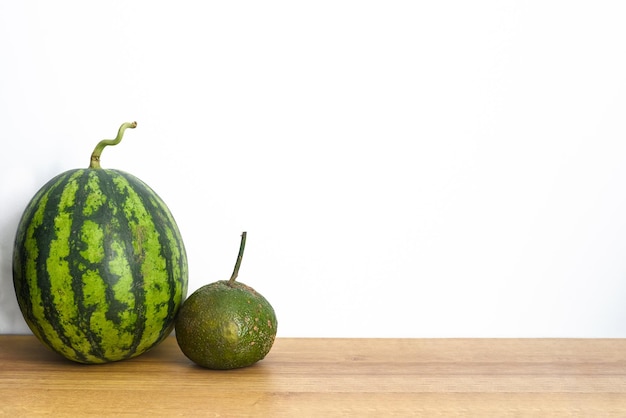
(30, 352)
(260, 376)
(11, 320)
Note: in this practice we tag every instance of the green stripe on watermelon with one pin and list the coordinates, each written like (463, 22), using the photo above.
(100, 268)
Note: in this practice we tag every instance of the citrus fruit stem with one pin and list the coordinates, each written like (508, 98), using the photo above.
(242, 246)
(95, 155)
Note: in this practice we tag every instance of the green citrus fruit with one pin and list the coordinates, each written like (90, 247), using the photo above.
(226, 324)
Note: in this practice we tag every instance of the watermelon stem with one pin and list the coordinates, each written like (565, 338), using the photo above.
(242, 246)
(95, 155)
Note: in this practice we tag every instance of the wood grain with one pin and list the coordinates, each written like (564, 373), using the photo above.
(329, 377)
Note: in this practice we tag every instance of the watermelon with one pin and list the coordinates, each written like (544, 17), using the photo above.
(99, 264)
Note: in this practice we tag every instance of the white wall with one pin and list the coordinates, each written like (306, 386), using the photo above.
(403, 168)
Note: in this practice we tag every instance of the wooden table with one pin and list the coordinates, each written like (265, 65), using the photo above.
(329, 377)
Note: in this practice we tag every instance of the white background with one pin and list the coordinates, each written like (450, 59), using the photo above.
(403, 168)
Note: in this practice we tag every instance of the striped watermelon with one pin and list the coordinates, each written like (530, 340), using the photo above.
(99, 265)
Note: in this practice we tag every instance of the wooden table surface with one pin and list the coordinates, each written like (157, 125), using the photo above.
(329, 377)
